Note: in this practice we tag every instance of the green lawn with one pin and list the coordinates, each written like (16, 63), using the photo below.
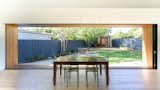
(117, 56)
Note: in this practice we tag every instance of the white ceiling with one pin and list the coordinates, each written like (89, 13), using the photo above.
(79, 11)
(79, 3)
(80, 15)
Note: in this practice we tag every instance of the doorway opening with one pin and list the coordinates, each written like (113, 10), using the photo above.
(122, 45)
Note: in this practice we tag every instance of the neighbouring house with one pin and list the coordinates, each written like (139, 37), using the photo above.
(29, 35)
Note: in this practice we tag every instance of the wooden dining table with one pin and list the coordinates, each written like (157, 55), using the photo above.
(80, 59)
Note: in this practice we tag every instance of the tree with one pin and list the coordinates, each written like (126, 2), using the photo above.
(132, 33)
(88, 34)
(137, 33)
(119, 35)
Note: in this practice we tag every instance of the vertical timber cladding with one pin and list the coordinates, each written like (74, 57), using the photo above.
(11, 45)
(147, 46)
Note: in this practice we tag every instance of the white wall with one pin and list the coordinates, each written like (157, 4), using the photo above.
(158, 46)
(2, 47)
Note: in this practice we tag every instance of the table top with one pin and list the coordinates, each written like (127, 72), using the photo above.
(90, 57)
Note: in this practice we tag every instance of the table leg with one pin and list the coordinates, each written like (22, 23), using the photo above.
(54, 73)
(60, 70)
(100, 69)
(107, 74)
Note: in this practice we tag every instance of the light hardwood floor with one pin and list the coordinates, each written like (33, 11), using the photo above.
(120, 79)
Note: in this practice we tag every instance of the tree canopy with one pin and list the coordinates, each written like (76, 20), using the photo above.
(88, 34)
(132, 33)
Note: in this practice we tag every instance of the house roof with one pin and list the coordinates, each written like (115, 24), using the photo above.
(31, 32)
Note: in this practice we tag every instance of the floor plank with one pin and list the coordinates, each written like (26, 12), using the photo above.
(120, 79)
